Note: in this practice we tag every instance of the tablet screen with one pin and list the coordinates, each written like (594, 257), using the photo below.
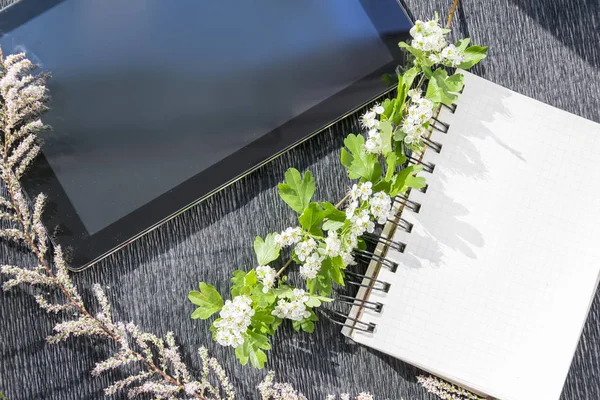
(148, 94)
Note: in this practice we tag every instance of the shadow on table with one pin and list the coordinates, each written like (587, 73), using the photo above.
(570, 22)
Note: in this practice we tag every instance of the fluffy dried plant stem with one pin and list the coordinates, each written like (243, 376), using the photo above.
(23, 98)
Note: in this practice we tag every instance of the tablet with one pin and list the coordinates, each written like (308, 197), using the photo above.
(158, 104)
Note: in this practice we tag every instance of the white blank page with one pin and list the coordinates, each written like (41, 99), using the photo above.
(501, 266)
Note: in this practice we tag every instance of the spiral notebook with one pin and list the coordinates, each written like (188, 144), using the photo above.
(486, 278)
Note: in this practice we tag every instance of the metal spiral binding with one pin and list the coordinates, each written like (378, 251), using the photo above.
(402, 224)
(388, 242)
(427, 166)
(364, 326)
(369, 305)
(451, 107)
(439, 125)
(375, 239)
(435, 146)
(367, 255)
(382, 286)
(407, 203)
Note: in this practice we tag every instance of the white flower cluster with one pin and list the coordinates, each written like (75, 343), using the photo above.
(266, 275)
(305, 248)
(309, 252)
(374, 143)
(419, 112)
(429, 37)
(288, 237)
(235, 317)
(311, 266)
(380, 208)
(450, 55)
(294, 309)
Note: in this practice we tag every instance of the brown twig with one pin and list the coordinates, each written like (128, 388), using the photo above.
(451, 13)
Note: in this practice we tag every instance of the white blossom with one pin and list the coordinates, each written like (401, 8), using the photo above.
(235, 316)
(419, 112)
(293, 308)
(428, 36)
(351, 208)
(369, 119)
(362, 191)
(381, 207)
(378, 109)
(348, 258)
(362, 223)
(333, 244)
(374, 143)
(288, 237)
(452, 55)
(350, 241)
(305, 248)
(266, 275)
(311, 266)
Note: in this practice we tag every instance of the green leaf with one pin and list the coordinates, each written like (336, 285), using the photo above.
(256, 342)
(283, 291)
(359, 163)
(335, 217)
(307, 325)
(330, 270)
(335, 270)
(390, 161)
(296, 325)
(382, 185)
(361, 244)
(263, 322)
(388, 105)
(266, 250)
(243, 283)
(418, 54)
(405, 179)
(385, 132)
(315, 301)
(400, 153)
(461, 45)
(312, 218)
(321, 284)
(442, 89)
(262, 299)
(242, 353)
(250, 278)
(473, 55)
(405, 82)
(297, 191)
(208, 300)
(333, 212)
(331, 225)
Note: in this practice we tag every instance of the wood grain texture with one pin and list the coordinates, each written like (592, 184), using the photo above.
(544, 49)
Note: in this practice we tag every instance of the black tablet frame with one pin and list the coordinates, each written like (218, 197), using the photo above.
(68, 229)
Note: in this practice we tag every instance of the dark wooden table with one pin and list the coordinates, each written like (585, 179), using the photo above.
(548, 50)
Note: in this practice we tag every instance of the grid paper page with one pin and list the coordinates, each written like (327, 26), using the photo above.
(501, 266)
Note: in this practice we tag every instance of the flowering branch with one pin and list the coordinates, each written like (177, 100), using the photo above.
(261, 298)
(270, 390)
(445, 390)
(324, 243)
